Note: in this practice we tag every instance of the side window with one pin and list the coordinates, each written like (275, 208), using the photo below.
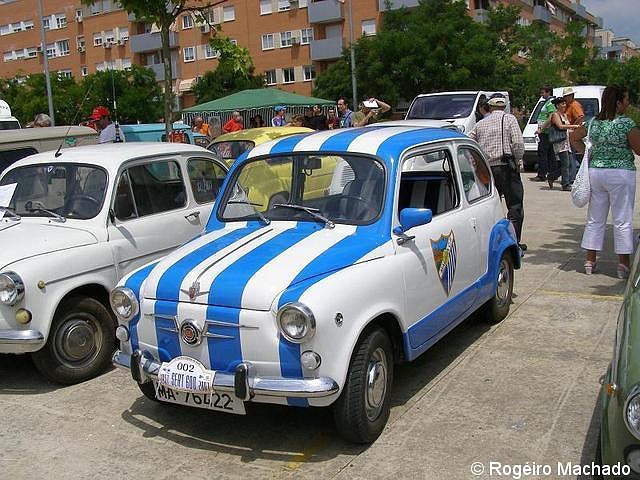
(206, 177)
(9, 157)
(157, 187)
(427, 181)
(476, 180)
(123, 206)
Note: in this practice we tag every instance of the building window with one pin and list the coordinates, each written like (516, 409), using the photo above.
(307, 36)
(20, 54)
(187, 22)
(61, 20)
(5, 29)
(267, 41)
(28, 25)
(209, 52)
(302, 3)
(283, 5)
(233, 41)
(64, 74)
(8, 56)
(84, 71)
(97, 39)
(109, 37)
(309, 72)
(95, 8)
(368, 27)
(285, 39)
(63, 48)
(270, 77)
(16, 27)
(80, 42)
(79, 15)
(266, 7)
(46, 23)
(106, 5)
(228, 13)
(189, 54)
(126, 63)
(51, 50)
(123, 33)
(288, 75)
(32, 52)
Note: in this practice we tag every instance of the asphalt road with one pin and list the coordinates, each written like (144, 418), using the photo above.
(523, 391)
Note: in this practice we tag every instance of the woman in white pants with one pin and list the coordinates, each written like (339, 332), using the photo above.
(612, 174)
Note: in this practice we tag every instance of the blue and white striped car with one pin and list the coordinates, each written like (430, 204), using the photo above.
(374, 244)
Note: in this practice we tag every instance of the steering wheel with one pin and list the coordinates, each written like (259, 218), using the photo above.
(369, 209)
(80, 212)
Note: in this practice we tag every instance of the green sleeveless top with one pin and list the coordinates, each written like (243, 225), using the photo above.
(610, 143)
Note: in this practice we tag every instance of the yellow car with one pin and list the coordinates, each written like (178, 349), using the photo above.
(269, 177)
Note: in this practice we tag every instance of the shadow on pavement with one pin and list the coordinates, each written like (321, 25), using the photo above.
(275, 432)
(591, 440)
(18, 376)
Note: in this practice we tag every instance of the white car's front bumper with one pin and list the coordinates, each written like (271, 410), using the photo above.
(20, 341)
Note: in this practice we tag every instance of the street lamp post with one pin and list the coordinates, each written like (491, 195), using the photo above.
(354, 85)
(43, 41)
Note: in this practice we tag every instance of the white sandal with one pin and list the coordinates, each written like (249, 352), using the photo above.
(623, 271)
(589, 267)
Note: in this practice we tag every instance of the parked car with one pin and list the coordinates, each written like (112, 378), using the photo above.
(75, 224)
(17, 144)
(312, 302)
(418, 123)
(155, 132)
(619, 439)
(7, 120)
(459, 108)
(589, 97)
(231, 145)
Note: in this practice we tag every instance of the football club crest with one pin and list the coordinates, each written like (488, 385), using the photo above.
(444, 255)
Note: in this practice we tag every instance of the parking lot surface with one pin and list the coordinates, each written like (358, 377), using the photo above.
(522, 391)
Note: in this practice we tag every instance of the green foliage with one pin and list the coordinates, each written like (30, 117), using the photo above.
(137, 94)
(235, 72)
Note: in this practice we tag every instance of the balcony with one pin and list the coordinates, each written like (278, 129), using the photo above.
(325, 11)
(150, 42)
(541, 14)
(580, 10)
(396, 4)
(327, 49)
(480, 15)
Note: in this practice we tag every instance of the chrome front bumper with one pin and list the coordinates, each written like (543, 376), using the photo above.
(21, 337)
(243, 383)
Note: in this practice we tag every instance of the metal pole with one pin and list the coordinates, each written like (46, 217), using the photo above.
(354, 86)
(43, 41)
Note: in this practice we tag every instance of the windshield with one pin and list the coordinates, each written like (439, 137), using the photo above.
(442, 107)
(66, 189)
(232, 149)
(590, 106)
(341, 188)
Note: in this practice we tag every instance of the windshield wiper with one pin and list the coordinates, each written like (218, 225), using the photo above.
(39, 207)
(13, 214)
(314, 212)
(247, 202)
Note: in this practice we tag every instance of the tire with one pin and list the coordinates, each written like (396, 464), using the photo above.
(80, 344)
(496, 309)
(148, 391)
(361, 413)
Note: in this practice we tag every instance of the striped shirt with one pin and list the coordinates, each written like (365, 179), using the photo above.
(494, 142)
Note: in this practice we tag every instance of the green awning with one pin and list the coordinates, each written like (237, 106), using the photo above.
(257, 98)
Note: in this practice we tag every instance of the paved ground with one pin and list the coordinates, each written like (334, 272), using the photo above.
(523, 391)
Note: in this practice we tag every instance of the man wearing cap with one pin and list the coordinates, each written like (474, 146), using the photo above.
(546, 157)
(109, 131)
(575, 115)
(278, 120)
(369, 111)
(235, 124)
(499, 136)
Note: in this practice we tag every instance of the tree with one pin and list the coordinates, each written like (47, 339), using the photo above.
(164, 13)
(235, 72)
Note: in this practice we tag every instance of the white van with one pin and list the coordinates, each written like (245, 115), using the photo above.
(589, 97)
(7, 122)
(457, 108)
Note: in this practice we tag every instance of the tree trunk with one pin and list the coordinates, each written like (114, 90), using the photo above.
(168, 83)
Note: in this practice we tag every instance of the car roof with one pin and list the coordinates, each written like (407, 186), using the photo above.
(45, 133)
(110, 155)
(418, 122)
(386, 142)
(582, 91)
(153, 127)
(260, 135)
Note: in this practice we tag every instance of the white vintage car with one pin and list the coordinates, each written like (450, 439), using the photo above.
(72, 224)
(386, 239)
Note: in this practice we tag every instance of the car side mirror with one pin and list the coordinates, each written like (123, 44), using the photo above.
(412, 217)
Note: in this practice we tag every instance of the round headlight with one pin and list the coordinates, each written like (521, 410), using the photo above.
(296, 322)
(632, 412)
(11, 288)
(124, 303)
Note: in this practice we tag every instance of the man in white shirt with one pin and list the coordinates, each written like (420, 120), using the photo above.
(109, 132)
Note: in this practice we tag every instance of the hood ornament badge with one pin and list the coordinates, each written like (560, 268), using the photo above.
(193, 292)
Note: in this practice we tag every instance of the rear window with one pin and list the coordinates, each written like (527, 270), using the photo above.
(9, 125)
(232, 149)
(442, 107)
(590, 106)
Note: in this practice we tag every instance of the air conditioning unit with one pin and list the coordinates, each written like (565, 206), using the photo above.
(81, 48)
(205, 28)
(295, 41)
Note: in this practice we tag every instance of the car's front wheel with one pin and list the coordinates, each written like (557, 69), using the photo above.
(362, 410)
(80, 344)
(496, 309)
(149, 391)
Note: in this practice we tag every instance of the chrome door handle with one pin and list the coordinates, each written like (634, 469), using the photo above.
(474, 224)
(193, 215)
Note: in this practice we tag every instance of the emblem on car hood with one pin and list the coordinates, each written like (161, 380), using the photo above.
(194, 291)
(444, 255)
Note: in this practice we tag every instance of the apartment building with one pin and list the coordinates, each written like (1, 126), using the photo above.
(289, 40)
(615, 48)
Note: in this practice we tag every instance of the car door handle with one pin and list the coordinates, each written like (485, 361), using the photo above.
(193, 215)
(474, 223)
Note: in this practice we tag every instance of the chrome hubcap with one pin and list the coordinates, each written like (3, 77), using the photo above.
(376, 384)
(77, 341)
(504, 280)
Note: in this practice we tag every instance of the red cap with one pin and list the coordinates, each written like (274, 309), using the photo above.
(99, 112)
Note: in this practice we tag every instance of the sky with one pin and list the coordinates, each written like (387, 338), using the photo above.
(621, 16)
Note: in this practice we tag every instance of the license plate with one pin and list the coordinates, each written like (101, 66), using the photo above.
(222, 402)
(186, 374)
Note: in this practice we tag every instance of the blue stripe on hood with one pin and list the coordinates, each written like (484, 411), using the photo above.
(286, 145)
(341, 141)
(134, 282)
(229, 285)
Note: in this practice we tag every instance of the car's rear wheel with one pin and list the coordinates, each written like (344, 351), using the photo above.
(496, 309)
(80, 344)
(362, 410)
